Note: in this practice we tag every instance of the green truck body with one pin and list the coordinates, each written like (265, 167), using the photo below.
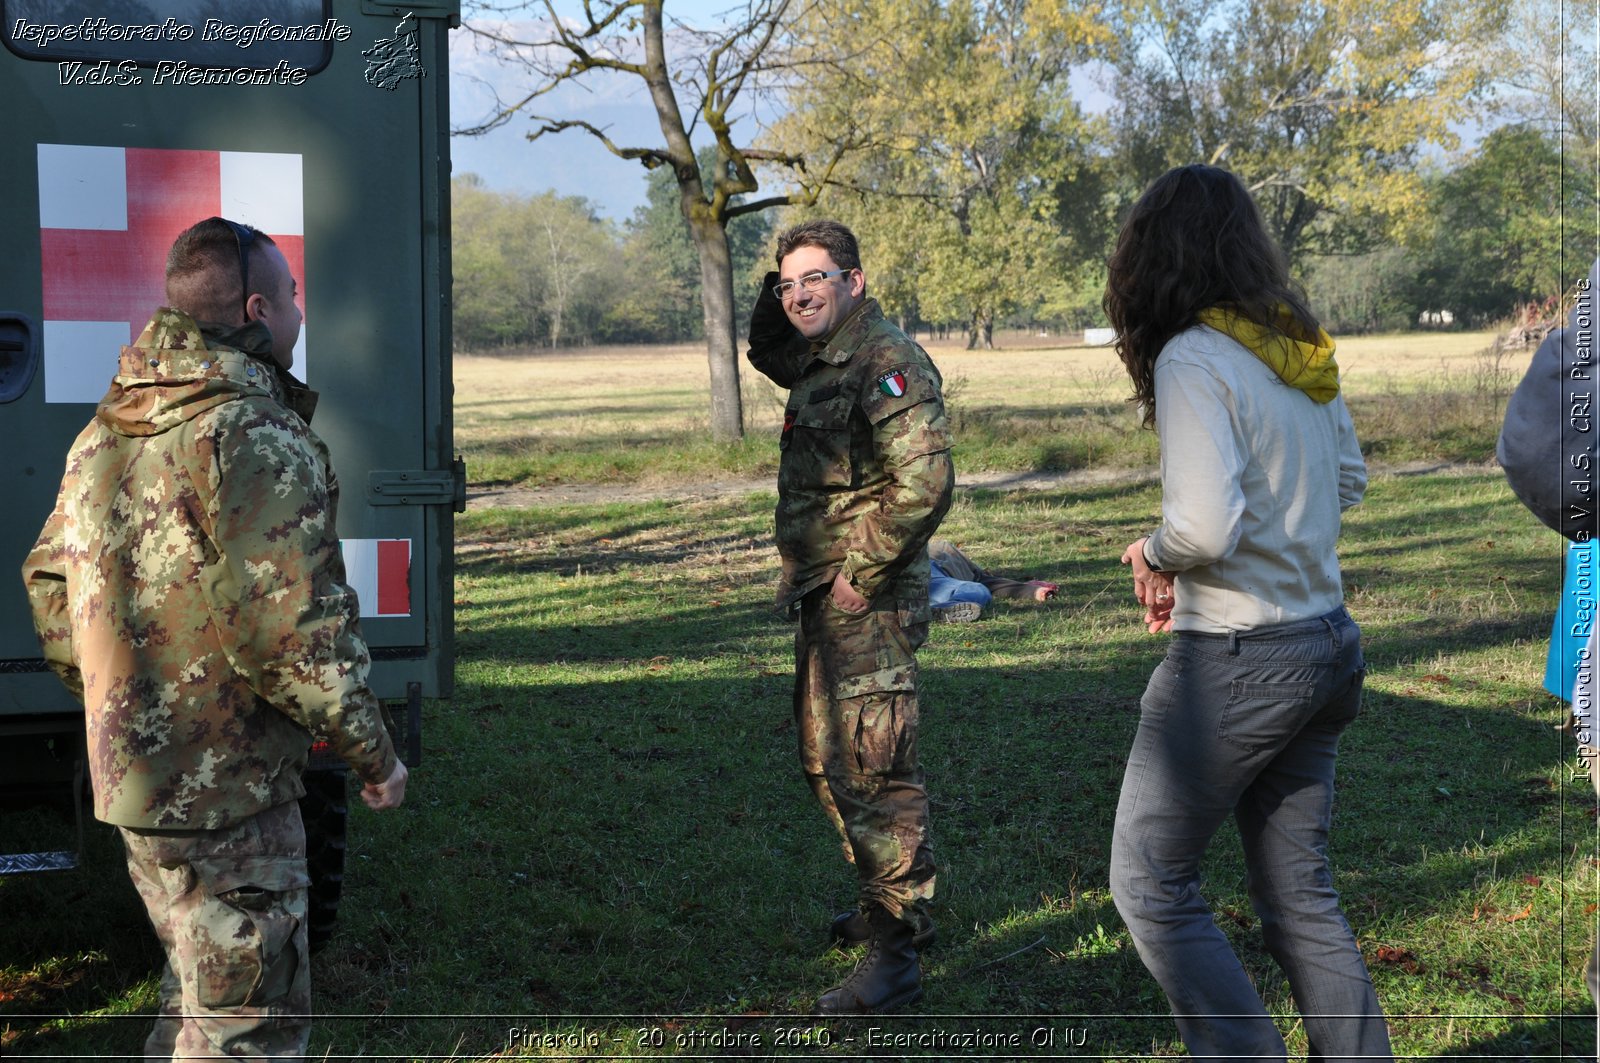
(325, 124)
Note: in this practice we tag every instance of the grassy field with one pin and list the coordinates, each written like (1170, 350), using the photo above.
(609, 849)
(638, 415)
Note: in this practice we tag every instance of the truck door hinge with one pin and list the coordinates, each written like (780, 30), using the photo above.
(419, 487)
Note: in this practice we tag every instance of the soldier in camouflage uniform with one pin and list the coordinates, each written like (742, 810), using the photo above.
(863, 482)
(188, 588)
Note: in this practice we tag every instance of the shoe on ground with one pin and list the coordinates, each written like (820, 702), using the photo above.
(959, 613)
(850, 929)
(888, 976)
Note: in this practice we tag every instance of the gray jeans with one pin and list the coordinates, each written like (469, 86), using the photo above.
(1246, 724)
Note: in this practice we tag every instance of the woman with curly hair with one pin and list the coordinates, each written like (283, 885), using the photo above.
(1264, 671)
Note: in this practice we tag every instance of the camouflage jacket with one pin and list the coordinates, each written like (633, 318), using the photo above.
(865, 475)
(188, 587)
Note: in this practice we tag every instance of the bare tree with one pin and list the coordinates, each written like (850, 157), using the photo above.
(1546, 70)
(709, 70)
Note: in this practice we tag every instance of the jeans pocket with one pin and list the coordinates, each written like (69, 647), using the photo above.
(1346, 706)
(1258, 716)
(1165, 688)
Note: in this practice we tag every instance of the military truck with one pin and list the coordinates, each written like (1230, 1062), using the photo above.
(323, 123)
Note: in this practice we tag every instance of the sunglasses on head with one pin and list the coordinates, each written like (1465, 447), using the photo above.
(243, 236)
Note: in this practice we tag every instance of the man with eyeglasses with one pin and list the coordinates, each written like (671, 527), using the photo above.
(864, 479)
(188, 588)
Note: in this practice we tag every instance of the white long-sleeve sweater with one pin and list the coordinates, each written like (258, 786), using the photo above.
(1254, 477)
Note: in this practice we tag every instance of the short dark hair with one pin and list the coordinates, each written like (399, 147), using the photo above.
(203, 271)
(1195, 239)
(831, 236)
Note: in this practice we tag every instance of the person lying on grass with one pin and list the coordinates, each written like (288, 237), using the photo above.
(958, 590)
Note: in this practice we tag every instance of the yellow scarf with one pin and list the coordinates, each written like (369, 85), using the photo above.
(1307, 365)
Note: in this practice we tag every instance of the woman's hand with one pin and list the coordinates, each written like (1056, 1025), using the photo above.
(1152, 589)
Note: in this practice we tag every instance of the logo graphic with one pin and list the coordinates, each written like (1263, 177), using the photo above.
(107, 217)
(392, 60)
(892, 383)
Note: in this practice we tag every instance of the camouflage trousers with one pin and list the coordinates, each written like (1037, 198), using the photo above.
(855, 707)
(229, 907)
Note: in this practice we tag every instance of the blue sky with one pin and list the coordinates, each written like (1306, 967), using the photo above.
(574, 163)
(571, 163)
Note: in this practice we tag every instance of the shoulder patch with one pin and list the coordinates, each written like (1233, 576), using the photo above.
(898, 388)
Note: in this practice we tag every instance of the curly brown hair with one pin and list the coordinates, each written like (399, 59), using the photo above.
(1193, 240)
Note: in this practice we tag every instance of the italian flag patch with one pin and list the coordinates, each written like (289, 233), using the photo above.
(892, 383)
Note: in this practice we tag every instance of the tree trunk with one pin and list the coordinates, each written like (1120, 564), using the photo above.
(722, 344)
(707, 230)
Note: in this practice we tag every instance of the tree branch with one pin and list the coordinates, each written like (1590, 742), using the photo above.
(651, 157)
(756, 206)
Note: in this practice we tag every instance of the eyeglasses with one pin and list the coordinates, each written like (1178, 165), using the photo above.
(244, 236)
(811, 282)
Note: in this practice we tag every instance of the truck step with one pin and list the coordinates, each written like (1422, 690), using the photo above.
(26, 863)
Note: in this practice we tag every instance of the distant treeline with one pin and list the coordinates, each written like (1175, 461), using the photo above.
(1502, 228)
(548, 271)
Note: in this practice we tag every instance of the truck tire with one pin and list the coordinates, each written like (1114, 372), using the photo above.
(326, 816)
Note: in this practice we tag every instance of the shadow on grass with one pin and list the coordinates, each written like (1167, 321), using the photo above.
(651, 404)
(1569, 1037)
(608, 445)
(72, 943)
(609, 818)
(645, 844)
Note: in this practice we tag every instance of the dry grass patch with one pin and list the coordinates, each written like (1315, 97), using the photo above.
(639, 415)
(663, 388)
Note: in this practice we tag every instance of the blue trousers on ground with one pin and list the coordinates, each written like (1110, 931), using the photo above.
(1246, 724)
(1582, 572)
(944, 589)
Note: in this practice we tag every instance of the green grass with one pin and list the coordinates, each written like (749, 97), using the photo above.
(609, 820)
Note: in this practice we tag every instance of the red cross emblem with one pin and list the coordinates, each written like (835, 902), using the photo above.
(107, 218)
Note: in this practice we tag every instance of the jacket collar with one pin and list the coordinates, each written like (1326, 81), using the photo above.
(255, 339)
(179, 368)
(852, 332)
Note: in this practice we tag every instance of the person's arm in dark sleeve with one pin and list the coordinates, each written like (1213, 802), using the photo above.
(912, 438)
(777, 350)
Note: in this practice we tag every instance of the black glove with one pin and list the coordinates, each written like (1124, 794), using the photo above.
(775, 344)
(769, 325)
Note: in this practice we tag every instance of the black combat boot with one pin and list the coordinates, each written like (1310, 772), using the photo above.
(888, 976)
(851, 928)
